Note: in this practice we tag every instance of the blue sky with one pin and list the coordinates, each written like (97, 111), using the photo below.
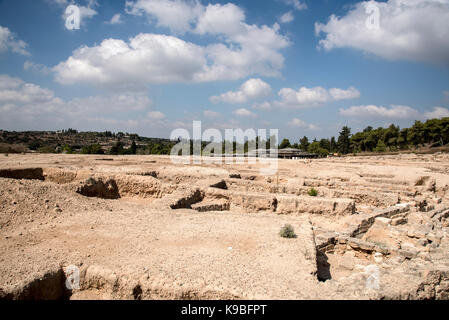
(151, 66)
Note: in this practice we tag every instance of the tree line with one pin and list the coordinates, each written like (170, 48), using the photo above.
(432, 133)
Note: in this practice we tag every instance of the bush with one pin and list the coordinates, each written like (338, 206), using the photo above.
(287, 231)
(313, 193)
(92, 149)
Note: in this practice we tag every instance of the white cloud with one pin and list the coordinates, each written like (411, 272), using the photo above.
(298, 123)
(306, 97)
(251, 89)
(437, 113)
(225, 19)
(148, 58)
(9, 42)
(211, 114)
(242, 50)
(151, 58)
(26, 105)
(177, 15)
(156, 115)
(379, 112)
(413, 30)
(287, 17)
(244, 113)
(15, 91)
(296, 4)
(116, 19)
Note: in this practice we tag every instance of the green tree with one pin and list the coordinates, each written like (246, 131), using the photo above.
(381, 147)
(285, 144)
(344, 142)
(117, 149)
(304, 143)
(315, 147)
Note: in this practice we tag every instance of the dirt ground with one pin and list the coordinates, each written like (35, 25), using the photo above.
(142, 227)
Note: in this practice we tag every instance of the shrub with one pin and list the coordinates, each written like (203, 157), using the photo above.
(287, 231)
(313, 193)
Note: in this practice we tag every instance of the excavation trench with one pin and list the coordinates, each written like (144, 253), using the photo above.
(50, 286)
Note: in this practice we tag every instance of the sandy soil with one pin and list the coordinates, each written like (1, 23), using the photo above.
(141, 227)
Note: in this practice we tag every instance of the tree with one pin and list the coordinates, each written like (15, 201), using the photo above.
(344, 142)
(381, 147)
(304, 143)
(92, 149)
(117, 149)
(133, 149)
(315, 147)
(285, 144)
(325, 144)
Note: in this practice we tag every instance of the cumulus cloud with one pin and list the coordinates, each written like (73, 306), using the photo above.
(244, 113)
(298, 123)
(14, 91)
(437, 113)
(379, 112)
(27, 105)
(251, 89)
(305, 97)
(414, 30)
(178, 15)
(9, 42)
(152, 58)
(148, 58)
(242, 49)
(287, 17)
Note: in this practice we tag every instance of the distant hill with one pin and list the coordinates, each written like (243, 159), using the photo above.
(72, 141)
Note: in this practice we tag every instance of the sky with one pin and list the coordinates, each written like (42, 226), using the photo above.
(305, 67)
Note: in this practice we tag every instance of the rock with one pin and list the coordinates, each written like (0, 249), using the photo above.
(424, 255)
(398, 221)
(378, 257)
(382, 221)
(418, 233)
(422, 242)
(57, 210)
(235, 175)
(433, 237)
(409, 254)
(431, 185)
(347, 262)
(421, 204)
